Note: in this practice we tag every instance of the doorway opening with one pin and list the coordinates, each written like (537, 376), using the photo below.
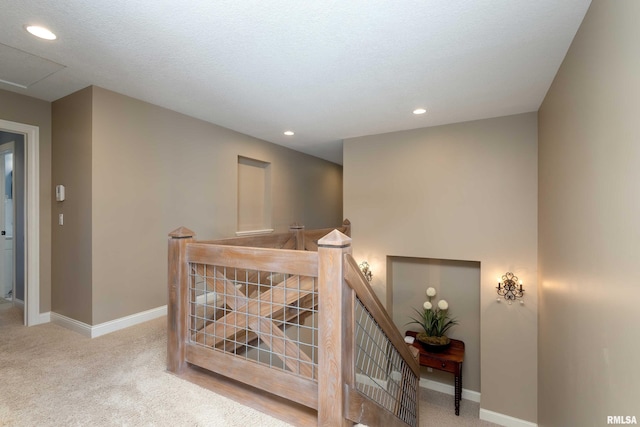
(25, 215)
(11, 228)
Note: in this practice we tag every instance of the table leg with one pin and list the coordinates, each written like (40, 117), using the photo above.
(458, 392)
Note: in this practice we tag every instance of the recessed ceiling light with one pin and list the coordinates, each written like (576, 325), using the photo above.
(419, 111)
(41, 32)
(289, 133)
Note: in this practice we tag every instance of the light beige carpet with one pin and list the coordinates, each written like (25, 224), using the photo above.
(50, 376)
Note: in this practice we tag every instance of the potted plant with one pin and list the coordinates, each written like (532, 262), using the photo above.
(435, 321)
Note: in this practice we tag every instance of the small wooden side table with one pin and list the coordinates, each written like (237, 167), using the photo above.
(448, 360)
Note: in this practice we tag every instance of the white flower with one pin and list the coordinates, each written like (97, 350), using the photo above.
(431, 292)
(443, 305)
(427, 305)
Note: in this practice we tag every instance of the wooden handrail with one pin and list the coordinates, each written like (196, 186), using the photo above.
(362, 408)
(265, 259)
(357, 282)
(292, 239)
(275, 240)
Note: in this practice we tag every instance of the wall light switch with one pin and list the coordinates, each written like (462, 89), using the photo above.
(60, 219)
(60, 193)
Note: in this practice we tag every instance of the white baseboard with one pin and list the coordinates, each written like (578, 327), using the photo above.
(474, 396)
(471, 395)
(107, 327)
(254, 232)
(125, 322)
(504, 420)
(72, 324)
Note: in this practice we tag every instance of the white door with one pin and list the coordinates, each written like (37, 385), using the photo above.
(6, 222)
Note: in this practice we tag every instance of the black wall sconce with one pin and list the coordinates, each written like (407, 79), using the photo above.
(366, 270)
(510, 288)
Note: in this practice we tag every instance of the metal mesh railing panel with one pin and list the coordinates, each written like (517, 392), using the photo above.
(263, 316)
(381, 373)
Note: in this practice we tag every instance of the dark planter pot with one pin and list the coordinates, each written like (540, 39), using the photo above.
(433, 344)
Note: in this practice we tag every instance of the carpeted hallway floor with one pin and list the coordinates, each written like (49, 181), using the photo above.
(50, 376)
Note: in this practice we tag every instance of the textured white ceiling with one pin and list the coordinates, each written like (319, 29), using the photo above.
(326, 69)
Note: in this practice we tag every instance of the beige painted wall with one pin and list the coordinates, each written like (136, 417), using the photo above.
(466, 191)
(72, 252)
(153, 170)
(23, 109)
(588, 219)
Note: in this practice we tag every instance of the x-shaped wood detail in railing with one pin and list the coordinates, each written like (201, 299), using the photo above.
(257, 314)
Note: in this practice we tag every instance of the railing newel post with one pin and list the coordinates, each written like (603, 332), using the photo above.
(335, 330)
(347, 227)
(298, 229)
(177, 305)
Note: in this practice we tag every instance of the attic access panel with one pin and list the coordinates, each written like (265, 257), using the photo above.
(22, 69)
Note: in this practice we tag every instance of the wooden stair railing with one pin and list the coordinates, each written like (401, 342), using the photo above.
(227, 301)
(291, 393)
(402, 399)
(343, 393)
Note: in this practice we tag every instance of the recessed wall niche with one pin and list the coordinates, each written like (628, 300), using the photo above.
(458, 282)
(254, 195)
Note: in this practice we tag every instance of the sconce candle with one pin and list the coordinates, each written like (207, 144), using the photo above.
(366, 270)
(508, 288)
